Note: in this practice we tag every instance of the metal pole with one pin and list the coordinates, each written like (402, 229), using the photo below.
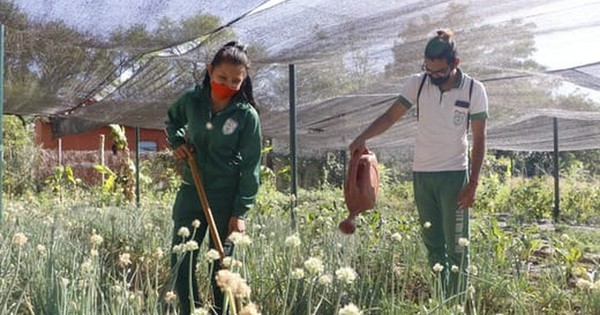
(293, 141)
(344, 161)
(137, 166)
(1, 116)
(102, 158)
(556, 179)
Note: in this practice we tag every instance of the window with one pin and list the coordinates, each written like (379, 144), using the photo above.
(148, 146)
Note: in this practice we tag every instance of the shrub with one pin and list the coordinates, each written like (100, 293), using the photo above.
(20, 155)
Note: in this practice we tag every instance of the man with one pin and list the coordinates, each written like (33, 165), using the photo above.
(448, 103)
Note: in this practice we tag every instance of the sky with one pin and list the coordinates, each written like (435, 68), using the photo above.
(587, 42)
(568, 31)
(581, 47)
(106, 13)
(558, 45)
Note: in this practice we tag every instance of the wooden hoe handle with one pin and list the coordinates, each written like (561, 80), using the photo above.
(212, 227)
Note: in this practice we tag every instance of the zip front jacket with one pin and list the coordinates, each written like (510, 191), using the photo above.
(226, 145)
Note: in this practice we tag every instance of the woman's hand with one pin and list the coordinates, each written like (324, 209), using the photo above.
(182, 152)
(236, 225)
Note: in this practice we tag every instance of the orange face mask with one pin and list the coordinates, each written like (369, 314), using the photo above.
(221, 91)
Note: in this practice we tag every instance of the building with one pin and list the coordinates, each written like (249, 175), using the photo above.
(82, 151)
(151, 140)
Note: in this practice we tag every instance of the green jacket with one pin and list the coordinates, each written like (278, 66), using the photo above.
(227, 145)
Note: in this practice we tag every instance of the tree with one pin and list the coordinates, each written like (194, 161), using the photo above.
(161, 78)
(53, 63)
(20, 82)
(485, 49)
(318, 80)
(48, 62)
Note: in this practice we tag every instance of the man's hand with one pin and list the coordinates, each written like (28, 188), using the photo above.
(182, 152)
(236, 225)
(466, 198)
(357, 145)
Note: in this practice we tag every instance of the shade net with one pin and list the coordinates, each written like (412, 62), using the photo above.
(85, 64)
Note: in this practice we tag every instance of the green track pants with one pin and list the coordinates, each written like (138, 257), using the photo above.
(443, 224)
(187, 208)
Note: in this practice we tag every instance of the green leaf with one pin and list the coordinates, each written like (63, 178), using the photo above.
(574, 254)
(58, 171)
(267, 149)
(102, 169)
(109, 184)
(70, 176)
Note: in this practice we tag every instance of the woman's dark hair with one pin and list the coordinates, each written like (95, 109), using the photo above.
(442, 46)
(234, 53)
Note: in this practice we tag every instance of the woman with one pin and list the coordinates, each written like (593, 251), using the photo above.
(217, 123)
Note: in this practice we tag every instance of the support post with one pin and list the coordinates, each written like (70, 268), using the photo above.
(344, 161)
(1, 118)
(102, 154)
(556, 172)
(293, 142)
(60, 152)
(137, 166)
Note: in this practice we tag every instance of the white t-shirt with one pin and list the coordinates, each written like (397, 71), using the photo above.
(441, 142)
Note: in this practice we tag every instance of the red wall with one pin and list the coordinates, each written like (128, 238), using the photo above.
(91, 140)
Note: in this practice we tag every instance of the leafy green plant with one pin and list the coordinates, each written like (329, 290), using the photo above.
(19, 156)
(62, 179)
(125, 168)
(580, 202)
(110, 178)
(531, 199)
(119, 183)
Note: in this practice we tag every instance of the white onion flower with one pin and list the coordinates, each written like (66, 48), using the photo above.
(124, 259)
(170, 297)
(292, 241)
(472, 270)
(346, 274)
(250, 309)
(190, 246)
(19, 239)
(314, 266)
(350, 309)
(325, 280)
(184, 232)
(41, 249)
(397, 237)
(212, 255)
(200, 311)
(298, 273)
(96, 239)
(158, 253)
(584, 284)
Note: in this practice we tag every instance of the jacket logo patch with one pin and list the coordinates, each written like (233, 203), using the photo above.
(229, 126)
(459, 117)
(462, 104)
